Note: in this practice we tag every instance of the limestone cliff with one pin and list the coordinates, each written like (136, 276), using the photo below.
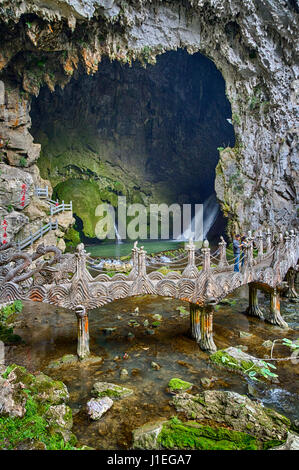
(252, 43)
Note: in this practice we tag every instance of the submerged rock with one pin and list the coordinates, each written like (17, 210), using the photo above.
(179, 385)
(105, 389)
(124, 374)
(96, 407)
(245, 334)
(155, 366)
(233, 410)
(72, 359)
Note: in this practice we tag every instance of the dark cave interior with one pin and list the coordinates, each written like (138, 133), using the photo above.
(150, 134)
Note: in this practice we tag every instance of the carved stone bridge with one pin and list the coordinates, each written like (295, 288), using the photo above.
(198, 277)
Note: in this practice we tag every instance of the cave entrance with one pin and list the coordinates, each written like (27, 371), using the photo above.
(150, 134)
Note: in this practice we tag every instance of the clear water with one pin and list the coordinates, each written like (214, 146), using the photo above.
(115, 250)
(50, 332)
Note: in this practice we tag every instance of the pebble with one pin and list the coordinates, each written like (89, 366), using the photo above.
(155, 366)
(124, 373)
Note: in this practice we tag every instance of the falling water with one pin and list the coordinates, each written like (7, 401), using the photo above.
(210, 212)
(117, 235)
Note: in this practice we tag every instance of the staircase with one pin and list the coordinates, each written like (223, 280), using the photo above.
(55, 208)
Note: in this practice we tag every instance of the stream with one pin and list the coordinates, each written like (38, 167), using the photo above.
(50, 332)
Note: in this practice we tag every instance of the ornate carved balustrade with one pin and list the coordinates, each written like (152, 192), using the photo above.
(66, 280)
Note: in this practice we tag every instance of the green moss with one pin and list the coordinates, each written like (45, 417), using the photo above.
(179, 385)
(33, 426)
(191, 435)
(72, 237)
(272, 443)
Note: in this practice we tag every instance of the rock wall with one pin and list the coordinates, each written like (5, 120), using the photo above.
(251, 42)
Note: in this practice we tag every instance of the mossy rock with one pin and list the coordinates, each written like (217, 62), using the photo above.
(239, 361)
(192, 435)
(46, 420)
(179, 385)
(44, 388)
(235, 411)
(177, 435)
(72, 237)
(105, 389)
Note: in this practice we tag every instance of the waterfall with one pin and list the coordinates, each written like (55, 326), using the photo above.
(210, 212)
(117, 235)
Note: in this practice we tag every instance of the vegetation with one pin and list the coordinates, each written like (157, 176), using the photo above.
(7, 315)
(191, 435)
(33, 428)
(246, 367)
(179, 385)
(22, 162)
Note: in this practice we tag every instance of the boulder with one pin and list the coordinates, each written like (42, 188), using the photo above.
(59, 417)
(292, 443)
(97, 407)
(105, 389)
(236, 411)
(175, 434)
(12, 399)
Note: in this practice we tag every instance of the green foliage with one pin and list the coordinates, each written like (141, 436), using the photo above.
(220, 149)
(7, 313)
(9, 208)
(22, 162)
(72, 237)
(246, 367)
(192, 435)
(290, 344)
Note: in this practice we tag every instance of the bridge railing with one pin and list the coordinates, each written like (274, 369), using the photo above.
(22, 244)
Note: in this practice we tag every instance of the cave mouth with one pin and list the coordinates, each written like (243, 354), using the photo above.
(150, 134)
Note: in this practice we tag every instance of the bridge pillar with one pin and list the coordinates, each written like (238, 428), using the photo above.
(206, 342)
(83, 332)
(195, 322)
(201, 325)
(275, 317)
(291, 290)
(253, 308)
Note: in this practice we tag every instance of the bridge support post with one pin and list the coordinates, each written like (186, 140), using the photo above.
(275, 317)
(253, 308)
(201, 326)
(195, 322)
(206, 342)
(291, 290)
(83, 332)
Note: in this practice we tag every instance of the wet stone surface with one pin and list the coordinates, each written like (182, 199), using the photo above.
(50, 333)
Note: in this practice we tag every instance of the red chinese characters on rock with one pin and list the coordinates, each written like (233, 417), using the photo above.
(4, 225)
(23, 195)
